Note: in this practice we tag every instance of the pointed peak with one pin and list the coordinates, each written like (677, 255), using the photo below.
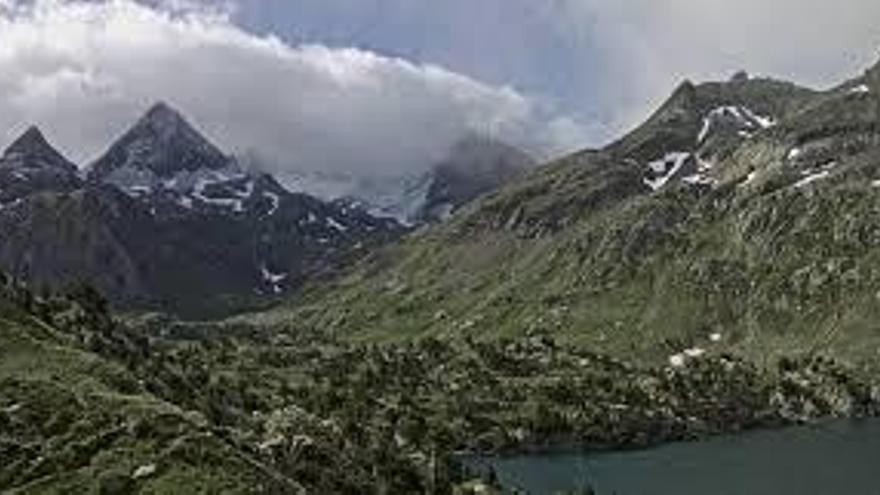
(872, 75)
(32, 149)
(683, 98)
(32, 139)
(162, 109)
(162, 142)
(163, 116)
(685, 89)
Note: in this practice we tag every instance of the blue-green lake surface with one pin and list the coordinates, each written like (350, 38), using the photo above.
(841, 458)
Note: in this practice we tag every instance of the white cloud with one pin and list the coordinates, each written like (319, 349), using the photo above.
(84, 71)
(642, 48)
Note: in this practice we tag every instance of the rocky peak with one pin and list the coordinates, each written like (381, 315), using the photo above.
(32, 150)
(161, 144)
(683, 99)
(872, 75)
(164, 121)
(476, 165)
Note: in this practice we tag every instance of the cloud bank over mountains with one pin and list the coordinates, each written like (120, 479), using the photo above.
(607, 62)
(644, 47)
(83, 71)
(549, 77)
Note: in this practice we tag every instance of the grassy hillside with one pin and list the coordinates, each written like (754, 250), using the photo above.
(88, 405)
(74, 422)
(778, 254)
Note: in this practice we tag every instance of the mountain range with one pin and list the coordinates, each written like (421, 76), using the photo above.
(165, 219)
(714, 270)
(741, 216)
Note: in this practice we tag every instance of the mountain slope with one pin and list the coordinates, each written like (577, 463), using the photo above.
(741, 216)
(165, 220)
(75, 421)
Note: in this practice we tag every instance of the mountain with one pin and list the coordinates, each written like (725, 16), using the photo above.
(714, 270)
(30, 164)
(161, 146)
(167, 220)
(741, 216)
(473, 166)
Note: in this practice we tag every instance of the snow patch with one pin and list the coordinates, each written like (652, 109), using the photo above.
(750, 178)
(824, 174)
(694, 352)
(667, 168)
(213, 177)
(275, 200)
(860, 89)
(336, 225)
(144, 471)
(698, 180)
(680, 360)
(140, 190)
(677, 360)
(762, 121)
(794, 153)
(273, 279)
(744, 118)
(813, 175)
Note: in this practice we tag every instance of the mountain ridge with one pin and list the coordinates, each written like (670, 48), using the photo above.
(165, 219)
(762, 226)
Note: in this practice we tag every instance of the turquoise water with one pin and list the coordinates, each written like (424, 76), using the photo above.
(841, 458)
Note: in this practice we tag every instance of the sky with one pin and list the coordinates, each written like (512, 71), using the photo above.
(386, 86)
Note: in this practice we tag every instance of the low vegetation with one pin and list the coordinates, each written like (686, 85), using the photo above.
(89, 404)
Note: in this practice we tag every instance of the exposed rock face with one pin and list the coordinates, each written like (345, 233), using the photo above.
(54, 239)
(167, 219)
(30, 165)
(161, 145)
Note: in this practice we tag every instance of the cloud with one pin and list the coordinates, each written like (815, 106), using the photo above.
(642, 48)
(607, 62)
(84, 71)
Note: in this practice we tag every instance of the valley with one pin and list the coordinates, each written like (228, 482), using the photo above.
(172, 322)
